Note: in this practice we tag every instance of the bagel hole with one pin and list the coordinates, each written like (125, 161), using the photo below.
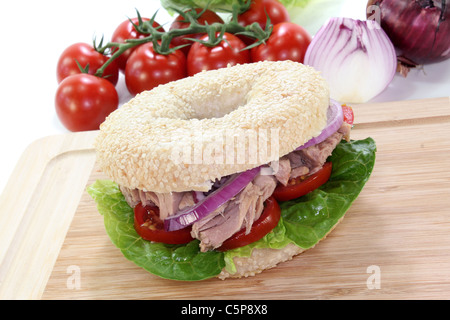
(218, 105)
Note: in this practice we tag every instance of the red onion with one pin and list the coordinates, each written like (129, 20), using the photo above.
(205, 206)
(335, 117)
(356, 58)
(419, 29)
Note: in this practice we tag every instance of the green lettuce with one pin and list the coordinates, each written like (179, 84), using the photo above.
(219, 5)
(304, 221)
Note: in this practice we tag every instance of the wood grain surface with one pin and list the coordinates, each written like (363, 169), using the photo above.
(393, 243)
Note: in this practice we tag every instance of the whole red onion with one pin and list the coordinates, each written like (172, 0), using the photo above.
(419, 29)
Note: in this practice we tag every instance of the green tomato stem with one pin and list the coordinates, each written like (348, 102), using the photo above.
(161, 39)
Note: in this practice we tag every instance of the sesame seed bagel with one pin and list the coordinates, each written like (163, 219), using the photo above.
(182, 135)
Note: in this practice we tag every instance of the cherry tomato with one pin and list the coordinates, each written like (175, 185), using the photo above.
(260, 9)
(228, 51)
(150, 227)
(83, 101)
(258, 12)
(147, 69)
(207, 17)
(126, 30)
(348, 114)
(288, 41)
(299, 186)
(86, 55)
(266, 222)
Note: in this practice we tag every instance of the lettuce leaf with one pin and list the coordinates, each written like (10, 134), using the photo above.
(219, 5)
(304, 221)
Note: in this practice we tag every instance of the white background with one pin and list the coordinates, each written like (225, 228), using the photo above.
(34, 33)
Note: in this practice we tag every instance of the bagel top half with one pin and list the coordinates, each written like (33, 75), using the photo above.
(176, 137)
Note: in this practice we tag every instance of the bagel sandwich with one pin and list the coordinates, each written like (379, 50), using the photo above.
(229, 172)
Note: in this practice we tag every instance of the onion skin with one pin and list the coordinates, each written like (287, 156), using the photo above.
(419, 32)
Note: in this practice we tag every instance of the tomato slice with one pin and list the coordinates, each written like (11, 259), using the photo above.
(150, 227)
(300, 186)
(266, 222)
(348, 114)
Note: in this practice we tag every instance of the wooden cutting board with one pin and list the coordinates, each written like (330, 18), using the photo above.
(393, 244)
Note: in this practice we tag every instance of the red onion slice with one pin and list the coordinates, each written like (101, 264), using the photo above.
(335, 117)
(205, 206)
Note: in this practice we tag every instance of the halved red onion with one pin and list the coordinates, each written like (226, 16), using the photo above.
(335, 117)
(355, 57)
(205, 206)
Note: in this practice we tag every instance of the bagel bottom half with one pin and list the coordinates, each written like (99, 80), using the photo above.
(263, 259)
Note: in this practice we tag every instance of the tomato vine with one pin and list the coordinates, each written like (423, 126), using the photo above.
(162, 39)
